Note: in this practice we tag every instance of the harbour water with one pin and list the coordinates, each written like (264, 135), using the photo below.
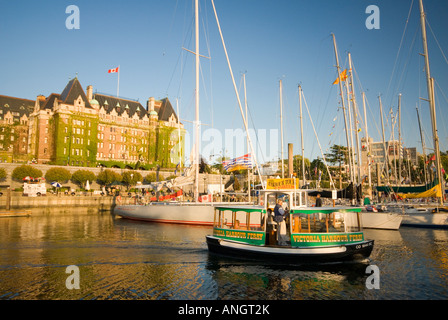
(119, 259)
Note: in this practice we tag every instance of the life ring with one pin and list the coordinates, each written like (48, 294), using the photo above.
(119, 199)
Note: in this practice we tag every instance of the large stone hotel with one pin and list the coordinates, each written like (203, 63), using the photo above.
(83, 128)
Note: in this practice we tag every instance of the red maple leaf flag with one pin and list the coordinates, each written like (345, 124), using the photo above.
(113, 70)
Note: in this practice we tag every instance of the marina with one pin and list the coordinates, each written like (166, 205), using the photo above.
(121, 259)
(183, 196)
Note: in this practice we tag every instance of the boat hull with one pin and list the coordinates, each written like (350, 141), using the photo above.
(382, 220)
(296, 255)
(426, 219)
(194, 214)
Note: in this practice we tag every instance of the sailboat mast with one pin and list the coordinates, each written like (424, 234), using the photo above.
(399, 138)
(422, 138)
(355, 117)
(301, 135)
(179, 135)
(430, 86)
(342, 99)
(281, 127)
(351, 147)
(386, 156)
(247, 136)
(196, 156)
(367, 141)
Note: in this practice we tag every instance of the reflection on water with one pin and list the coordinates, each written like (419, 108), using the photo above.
(123, 259)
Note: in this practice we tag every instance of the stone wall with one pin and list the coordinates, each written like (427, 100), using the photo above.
(17, 201)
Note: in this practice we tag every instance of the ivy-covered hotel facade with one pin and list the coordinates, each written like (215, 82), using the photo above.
(82, 128)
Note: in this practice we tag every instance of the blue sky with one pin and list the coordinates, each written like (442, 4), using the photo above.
(267, 40)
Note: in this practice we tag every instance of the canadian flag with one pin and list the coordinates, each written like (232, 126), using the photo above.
(113, 70)
(205, 198)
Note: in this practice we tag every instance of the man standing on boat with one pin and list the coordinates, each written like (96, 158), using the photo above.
(318, 201)
(279, 214)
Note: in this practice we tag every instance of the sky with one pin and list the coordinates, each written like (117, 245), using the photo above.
(268, 41)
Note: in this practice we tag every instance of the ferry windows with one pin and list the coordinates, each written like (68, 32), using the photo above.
(300, 199)
(320, 222)
(353, 222)
(239, 220)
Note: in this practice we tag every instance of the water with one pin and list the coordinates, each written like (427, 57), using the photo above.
(129, 260)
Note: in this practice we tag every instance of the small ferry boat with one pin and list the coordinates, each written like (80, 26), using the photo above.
(313, 234)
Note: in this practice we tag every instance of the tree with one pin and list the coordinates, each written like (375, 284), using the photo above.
(58, 175)
(130, 178)
(80, 177)
(317, 165)
(297, 165)
(236, 184)
(108, 177)
(26, 171)
(204, 167)
(444, 161)
(337, 155)
(151, 177)
(2, 174)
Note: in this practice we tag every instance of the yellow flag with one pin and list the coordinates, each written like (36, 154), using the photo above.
(343, 77)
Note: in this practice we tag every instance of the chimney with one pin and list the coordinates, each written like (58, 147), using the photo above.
(89, 93)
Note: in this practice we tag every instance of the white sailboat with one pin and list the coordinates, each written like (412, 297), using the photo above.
(178, 212)
(195, 213)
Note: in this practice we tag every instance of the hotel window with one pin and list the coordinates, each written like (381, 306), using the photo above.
(65, 151)
(66, 129)
(45, 140)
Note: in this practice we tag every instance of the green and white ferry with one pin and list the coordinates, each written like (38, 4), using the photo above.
(312, 234)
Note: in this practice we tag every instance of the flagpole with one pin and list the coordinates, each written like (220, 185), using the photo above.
(118, 83)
